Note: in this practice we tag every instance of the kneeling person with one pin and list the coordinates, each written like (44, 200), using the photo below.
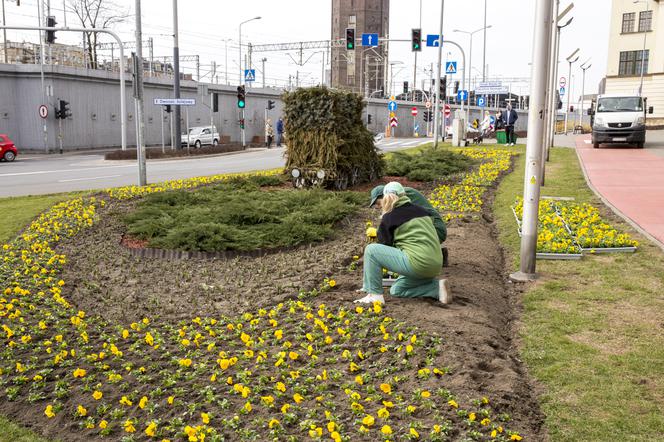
(408, 245)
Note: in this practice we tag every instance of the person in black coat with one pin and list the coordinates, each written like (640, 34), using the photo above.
(509, 120)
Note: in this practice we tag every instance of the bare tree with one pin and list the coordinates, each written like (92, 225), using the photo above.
(96, 14)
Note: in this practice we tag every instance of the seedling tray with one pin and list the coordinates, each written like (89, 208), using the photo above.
(598, 250)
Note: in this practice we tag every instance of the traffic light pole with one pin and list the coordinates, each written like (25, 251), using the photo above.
(140, 138)
(176, 79)
(123, 105)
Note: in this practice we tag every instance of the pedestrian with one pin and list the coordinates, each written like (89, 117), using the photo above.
(269, 133)
(509, 118)
(280, 131)
(407, 245)
(500, 124)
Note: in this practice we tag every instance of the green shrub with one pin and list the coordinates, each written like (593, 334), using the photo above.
(427, 165)
(239, 216)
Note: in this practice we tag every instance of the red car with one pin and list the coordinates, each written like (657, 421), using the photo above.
(8, 150)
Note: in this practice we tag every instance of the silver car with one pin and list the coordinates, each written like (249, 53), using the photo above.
(199, 136)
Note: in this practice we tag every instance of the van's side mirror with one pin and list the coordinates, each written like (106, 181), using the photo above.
(651, 110)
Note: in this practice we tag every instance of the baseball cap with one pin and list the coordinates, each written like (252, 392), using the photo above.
(376, 192)
(394, 187)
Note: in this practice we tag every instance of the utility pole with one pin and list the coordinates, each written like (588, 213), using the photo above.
(484, 47)
(584, 67)
(263, 60)
(140, 121)
(176, 77)
(536, 121)
(415, 66)
(4, 31)
(41, 68)
(436, 106)
(151, 49)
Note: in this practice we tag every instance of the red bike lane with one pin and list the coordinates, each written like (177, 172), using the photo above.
(630, 179)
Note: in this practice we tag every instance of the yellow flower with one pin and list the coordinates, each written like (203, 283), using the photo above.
(103, 424)
(79, 373)
(185, 362)
(293, 355)
(368, 420)
(97, 395)
(297, 397)
(125, 401)
(281, 386)
(383, 413)
(515, 436)
(125, 333)
(453, 403)
(170, 400)
(143, 402)
(285, 408)
(472, 417)
(273, 423)
(247, 406)
(129, 427)
(81, 411)
(386, 430)
(377, 308)
(151, 429)
(386, 388)
(49, 411)
(279, 334)
(414, 433)
(205, 418)
(332, 282)
(426, 394)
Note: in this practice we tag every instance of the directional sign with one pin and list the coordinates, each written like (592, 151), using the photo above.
(447, 110)
(491, 88)
(462, 95)
(413, 112)
(392, 106)
(492, 120)
(250, 75)
(563, 82)
(481, 101)
(451, 67)
(433, 40)
(370, 40)
(394, 122)
(417, 128)
(562, 91)
(175, 101)
(43, 111)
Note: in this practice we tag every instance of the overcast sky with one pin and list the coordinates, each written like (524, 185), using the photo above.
(204, 24)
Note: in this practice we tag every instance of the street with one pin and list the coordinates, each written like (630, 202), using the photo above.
(43, 174)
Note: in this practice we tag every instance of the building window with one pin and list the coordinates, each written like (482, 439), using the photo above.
(631, 61)
(352, 20)
(628, 22)
(645, 21)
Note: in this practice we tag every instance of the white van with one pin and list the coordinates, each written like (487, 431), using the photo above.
(201, 135)
(619, 119)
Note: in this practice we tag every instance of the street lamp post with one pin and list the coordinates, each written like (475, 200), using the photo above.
(226, 40)
(484, 47)
(470, 55)
(584, 67)
(571, 60)
(392, 63)
(240, 47)
(643, 54)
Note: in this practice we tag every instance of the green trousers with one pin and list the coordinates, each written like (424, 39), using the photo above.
(408, 284)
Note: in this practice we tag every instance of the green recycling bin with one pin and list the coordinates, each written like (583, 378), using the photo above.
(501, 138)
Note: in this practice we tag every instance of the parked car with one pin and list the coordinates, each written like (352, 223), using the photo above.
(619, 119)
(8, 149)
(199, 136)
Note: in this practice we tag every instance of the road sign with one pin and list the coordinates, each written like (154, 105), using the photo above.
(562, 91)
(491, 88)
(428, 105)
(481, 101)
(462, 95)
(413, 112)
(43, 111)
(392, 115)
(394, 122)
(417, 128)
(563, 82)
(175, 101)
(492, 120)
(433, 40)
(451, 67)
(370, 40)
(249, 75)
(392, 106)
(447, 110)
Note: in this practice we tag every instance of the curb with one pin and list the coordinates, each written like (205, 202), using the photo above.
(615, 210)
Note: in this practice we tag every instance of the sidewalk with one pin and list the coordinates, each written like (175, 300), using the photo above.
(629, 179)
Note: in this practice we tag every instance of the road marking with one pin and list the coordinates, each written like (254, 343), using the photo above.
(42, 172)
(89, 179)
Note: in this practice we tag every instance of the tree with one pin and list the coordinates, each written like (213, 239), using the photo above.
(101, 14)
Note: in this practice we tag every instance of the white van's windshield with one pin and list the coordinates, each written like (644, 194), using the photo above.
(620, 104)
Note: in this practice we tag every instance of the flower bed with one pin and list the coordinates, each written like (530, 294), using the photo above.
(286, 371)
(465, 198)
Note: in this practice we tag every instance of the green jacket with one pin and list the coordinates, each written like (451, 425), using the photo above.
(420, 200)
(409, 228)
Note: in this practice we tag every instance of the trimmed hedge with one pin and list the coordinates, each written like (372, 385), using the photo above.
(154, 153)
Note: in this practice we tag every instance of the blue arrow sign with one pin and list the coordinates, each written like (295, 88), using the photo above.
(250, 75)
(433, 40)
(392, 106)
(562, 91)
(370, 40)
(451, 67)
(481, 102)
(462, 95)
(492, 120)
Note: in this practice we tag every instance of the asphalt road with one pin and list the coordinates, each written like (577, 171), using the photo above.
(44, 174)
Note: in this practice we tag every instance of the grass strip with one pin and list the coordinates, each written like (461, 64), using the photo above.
(591, 328)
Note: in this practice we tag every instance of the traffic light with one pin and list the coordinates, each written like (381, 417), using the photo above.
(241, 123)
(426, 116)
(405, 87)
(241, 99)
(443, 86)
(571, 108)
(456, 87)
(168, 109)
(416, 38)
(368, 118)
(350, 39)
(64, 111)
(50, 23)
(215, 102)
(270, 104)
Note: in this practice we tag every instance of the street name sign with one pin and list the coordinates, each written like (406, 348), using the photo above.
(175, 101)
(491, 88)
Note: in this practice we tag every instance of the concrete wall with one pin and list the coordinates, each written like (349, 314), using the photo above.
(94, 98)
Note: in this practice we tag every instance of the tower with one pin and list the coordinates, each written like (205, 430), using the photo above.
(361, 70)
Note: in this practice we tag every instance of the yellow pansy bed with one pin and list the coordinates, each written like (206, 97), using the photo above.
(288, 371)
(465, 198)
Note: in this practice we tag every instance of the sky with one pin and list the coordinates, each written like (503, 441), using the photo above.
(205, 24)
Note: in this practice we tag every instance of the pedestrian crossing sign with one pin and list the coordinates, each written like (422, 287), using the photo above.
(451, 67)
(250, 75)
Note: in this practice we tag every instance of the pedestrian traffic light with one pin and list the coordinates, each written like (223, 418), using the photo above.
(50, 35)
(270, 104)
(215, 102)
(456, 87)
(571, 108)
(241, 123)
(416, 38)
(368, 118)
(241, 97)
(443, 86)
(64, 111)
(350, 39)
(405, 87)
(168, 109)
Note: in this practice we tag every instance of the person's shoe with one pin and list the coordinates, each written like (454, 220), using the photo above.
(444, 293)
(370, 299)
(362, 290)
(507, 144)
(512, 144)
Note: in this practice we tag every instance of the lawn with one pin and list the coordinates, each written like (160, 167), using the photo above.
(591, 328)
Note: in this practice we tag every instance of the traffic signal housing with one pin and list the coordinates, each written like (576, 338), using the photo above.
(350, 39)
(63, 111)
(443, 86)
(416, 38)
(456, 87)
(215, 102)
(270, 104)
(50, 23)
(168, 109)
(241, 97)
(405, 87)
